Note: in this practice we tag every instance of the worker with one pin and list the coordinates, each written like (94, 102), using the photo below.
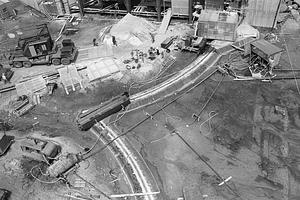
(196, 15)
(117, 6)
(95, 42)
(114, 41)
(4, 78)
(197, 12)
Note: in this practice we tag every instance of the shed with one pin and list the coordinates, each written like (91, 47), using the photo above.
(218, 25)
(265, 47)
(6, 10)
(267, 51)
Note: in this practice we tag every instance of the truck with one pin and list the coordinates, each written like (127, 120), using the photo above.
(39, 48)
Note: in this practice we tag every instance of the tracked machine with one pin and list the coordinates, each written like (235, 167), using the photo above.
(39, 48)
(87, 118)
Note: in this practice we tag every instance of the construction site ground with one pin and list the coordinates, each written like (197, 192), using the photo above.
(244, 130)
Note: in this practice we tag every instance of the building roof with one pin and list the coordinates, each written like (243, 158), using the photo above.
(262, 13)
(266, 47)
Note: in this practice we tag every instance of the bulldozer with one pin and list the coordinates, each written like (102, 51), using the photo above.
(39, 48)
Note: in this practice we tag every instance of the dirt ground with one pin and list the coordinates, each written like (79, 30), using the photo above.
(239, 133)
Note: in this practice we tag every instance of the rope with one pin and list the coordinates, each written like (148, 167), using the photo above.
(206, 103)
(104, 194)
(210, 116)
(46, 182)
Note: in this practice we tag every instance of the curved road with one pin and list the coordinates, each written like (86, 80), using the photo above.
(199, 70)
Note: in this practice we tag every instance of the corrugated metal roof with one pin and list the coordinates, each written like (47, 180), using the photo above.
(261, 13)
(266, 47)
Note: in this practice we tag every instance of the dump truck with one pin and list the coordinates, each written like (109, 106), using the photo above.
(39, 48)
(39, 149)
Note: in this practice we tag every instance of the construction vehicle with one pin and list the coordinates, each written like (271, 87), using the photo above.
(39, 149)
(87, 118)
(39, 48)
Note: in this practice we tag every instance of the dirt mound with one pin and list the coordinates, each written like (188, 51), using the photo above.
(133, 29)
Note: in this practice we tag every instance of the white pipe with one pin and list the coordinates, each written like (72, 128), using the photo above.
(132, 195)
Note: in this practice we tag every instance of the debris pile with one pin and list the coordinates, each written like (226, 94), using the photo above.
(131, 30)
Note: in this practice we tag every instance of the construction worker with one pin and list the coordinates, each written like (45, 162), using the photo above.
(114, 41)
(4, 78)
(95, 42)
(196, 15)
(117, 6)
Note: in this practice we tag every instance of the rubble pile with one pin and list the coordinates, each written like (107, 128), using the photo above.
(131, 30)
(288, 7)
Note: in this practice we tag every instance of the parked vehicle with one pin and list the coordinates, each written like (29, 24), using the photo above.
(39, 48)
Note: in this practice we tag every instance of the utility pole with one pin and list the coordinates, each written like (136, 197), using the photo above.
(190, 11)
(81, 7)
(128, 5)
(158, 8)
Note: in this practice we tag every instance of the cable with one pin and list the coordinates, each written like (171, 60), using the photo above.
(51, 182)
(92, 146)
(208, 120)
(104, 194)
(206, 103)
(205, 162)
(168, 115)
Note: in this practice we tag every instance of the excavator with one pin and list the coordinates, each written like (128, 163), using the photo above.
(39, 48)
